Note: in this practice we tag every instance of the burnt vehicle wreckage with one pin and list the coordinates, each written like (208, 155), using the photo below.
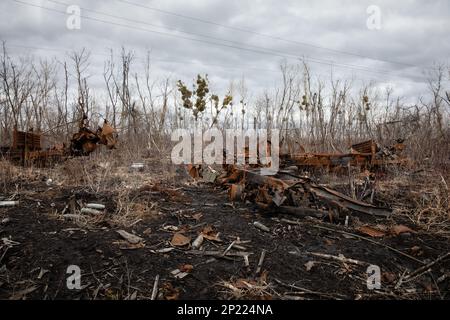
(289, 192)
(365, 155)
(26, 147)
(85, 141)
(286, 192)
(186, 240)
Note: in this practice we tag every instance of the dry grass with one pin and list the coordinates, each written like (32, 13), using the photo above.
(104, 174)
(131, 210)
(8, 172)
(110, 171)
(247, 289)
(82, 221)
(13, 177)
(422, 196)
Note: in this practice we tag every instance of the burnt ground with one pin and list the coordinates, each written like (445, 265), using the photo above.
(34, 265)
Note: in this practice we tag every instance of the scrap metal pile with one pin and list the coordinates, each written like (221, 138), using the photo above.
(85, 141)
(367, 154)
(289, 193)
(27, 148)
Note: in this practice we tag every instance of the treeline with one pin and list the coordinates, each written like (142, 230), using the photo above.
(51, 96)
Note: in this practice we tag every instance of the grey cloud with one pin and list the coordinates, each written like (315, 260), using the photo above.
(412, 32)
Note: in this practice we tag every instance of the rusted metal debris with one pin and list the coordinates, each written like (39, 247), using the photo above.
(27, 146)
(291, 194)
(85, 141)
(286, 192)
(365, 155)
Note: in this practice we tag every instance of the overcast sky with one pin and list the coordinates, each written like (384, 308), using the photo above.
(238, 38)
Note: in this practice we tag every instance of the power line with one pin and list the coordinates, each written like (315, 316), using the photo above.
(66, 50)
(171, 61)
(239, 67)
(267, 35)
(329, 62)
(167, 28)
(264, 51)
(186, 32)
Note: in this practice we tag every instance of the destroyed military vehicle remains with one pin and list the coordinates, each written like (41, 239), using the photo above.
(27, 149)
(346, 196)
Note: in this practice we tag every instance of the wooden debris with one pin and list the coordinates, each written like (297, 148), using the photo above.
(198, 241)
(131, 238)
(443, 277)
(8, 203)
(239, 247)
(229, 248)
(42, 272)
(170, 228)
(90, 211)
(340, 258)
(426, 267)
(291, 221)
(246, 262)
(308, 291)
(375, 233)
(218, 254)
(125, 245)
(155, 288)
(178, 274)
(260, 262)
(97, 206)
(369, 240)
(165, 250)
(260, 226)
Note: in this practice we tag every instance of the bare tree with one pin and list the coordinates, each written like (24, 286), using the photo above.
(17, 85)
(81, 64)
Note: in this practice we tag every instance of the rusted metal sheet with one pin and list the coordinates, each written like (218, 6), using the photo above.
(364, 155)
(348, 203)
(26, 140)
(85, 141)
(27, 146)
(367, 147)
(107, 135)
(285, 193)
(289, 193)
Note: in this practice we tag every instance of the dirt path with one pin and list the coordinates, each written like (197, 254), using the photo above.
(34, 265)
